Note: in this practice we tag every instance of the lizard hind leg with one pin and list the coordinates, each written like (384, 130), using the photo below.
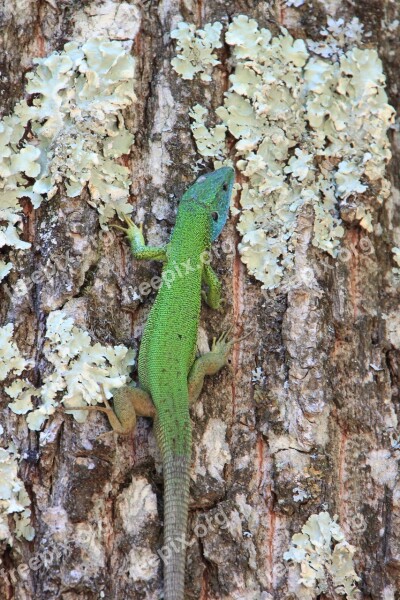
(129, 402)
(129, 399)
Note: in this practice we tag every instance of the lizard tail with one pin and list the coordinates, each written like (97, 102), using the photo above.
(176, 503)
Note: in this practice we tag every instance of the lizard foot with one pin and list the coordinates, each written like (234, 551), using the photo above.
(132, 230)
(139, 249)
(221, 346)
(121, 427)
(106, 409)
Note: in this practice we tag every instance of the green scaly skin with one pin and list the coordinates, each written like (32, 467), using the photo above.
(169, 376)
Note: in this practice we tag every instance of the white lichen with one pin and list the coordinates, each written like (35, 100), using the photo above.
(23, 395)
(12, 363)
(339, 36)
(257, 376)
(295, 3)
(195, 49)
(5, 269)
(11, 182)
(393, 25)
(14, 499)
(76, 133)
(324, 559)
(299, 494)
(309, 131)
(396, 258)
(210, 142)
(79, 371)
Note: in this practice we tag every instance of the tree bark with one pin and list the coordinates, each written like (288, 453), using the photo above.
(324, 419)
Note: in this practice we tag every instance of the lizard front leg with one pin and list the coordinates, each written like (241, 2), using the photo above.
(138, 245)
(213, 294)
(208, 364)
(129, 402)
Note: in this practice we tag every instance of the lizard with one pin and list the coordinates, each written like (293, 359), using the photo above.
(170, 376)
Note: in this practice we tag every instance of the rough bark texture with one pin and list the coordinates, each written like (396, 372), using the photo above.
(325, 416)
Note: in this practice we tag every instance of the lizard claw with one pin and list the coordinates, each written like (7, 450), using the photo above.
(132, 228)
(105, 409)
(124, 229)
(131, 224)
(224, 343)
(243, 337)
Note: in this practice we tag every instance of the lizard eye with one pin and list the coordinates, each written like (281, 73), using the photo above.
(225, 187)
(215, 216)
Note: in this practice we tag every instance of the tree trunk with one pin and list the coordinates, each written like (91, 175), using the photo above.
(316, 432)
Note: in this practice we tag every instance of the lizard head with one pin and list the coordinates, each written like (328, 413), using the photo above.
(213, 191)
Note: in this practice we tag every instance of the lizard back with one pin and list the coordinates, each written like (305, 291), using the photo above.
(168, 345)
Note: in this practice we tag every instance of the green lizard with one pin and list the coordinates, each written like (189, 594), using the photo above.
(170, 377)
